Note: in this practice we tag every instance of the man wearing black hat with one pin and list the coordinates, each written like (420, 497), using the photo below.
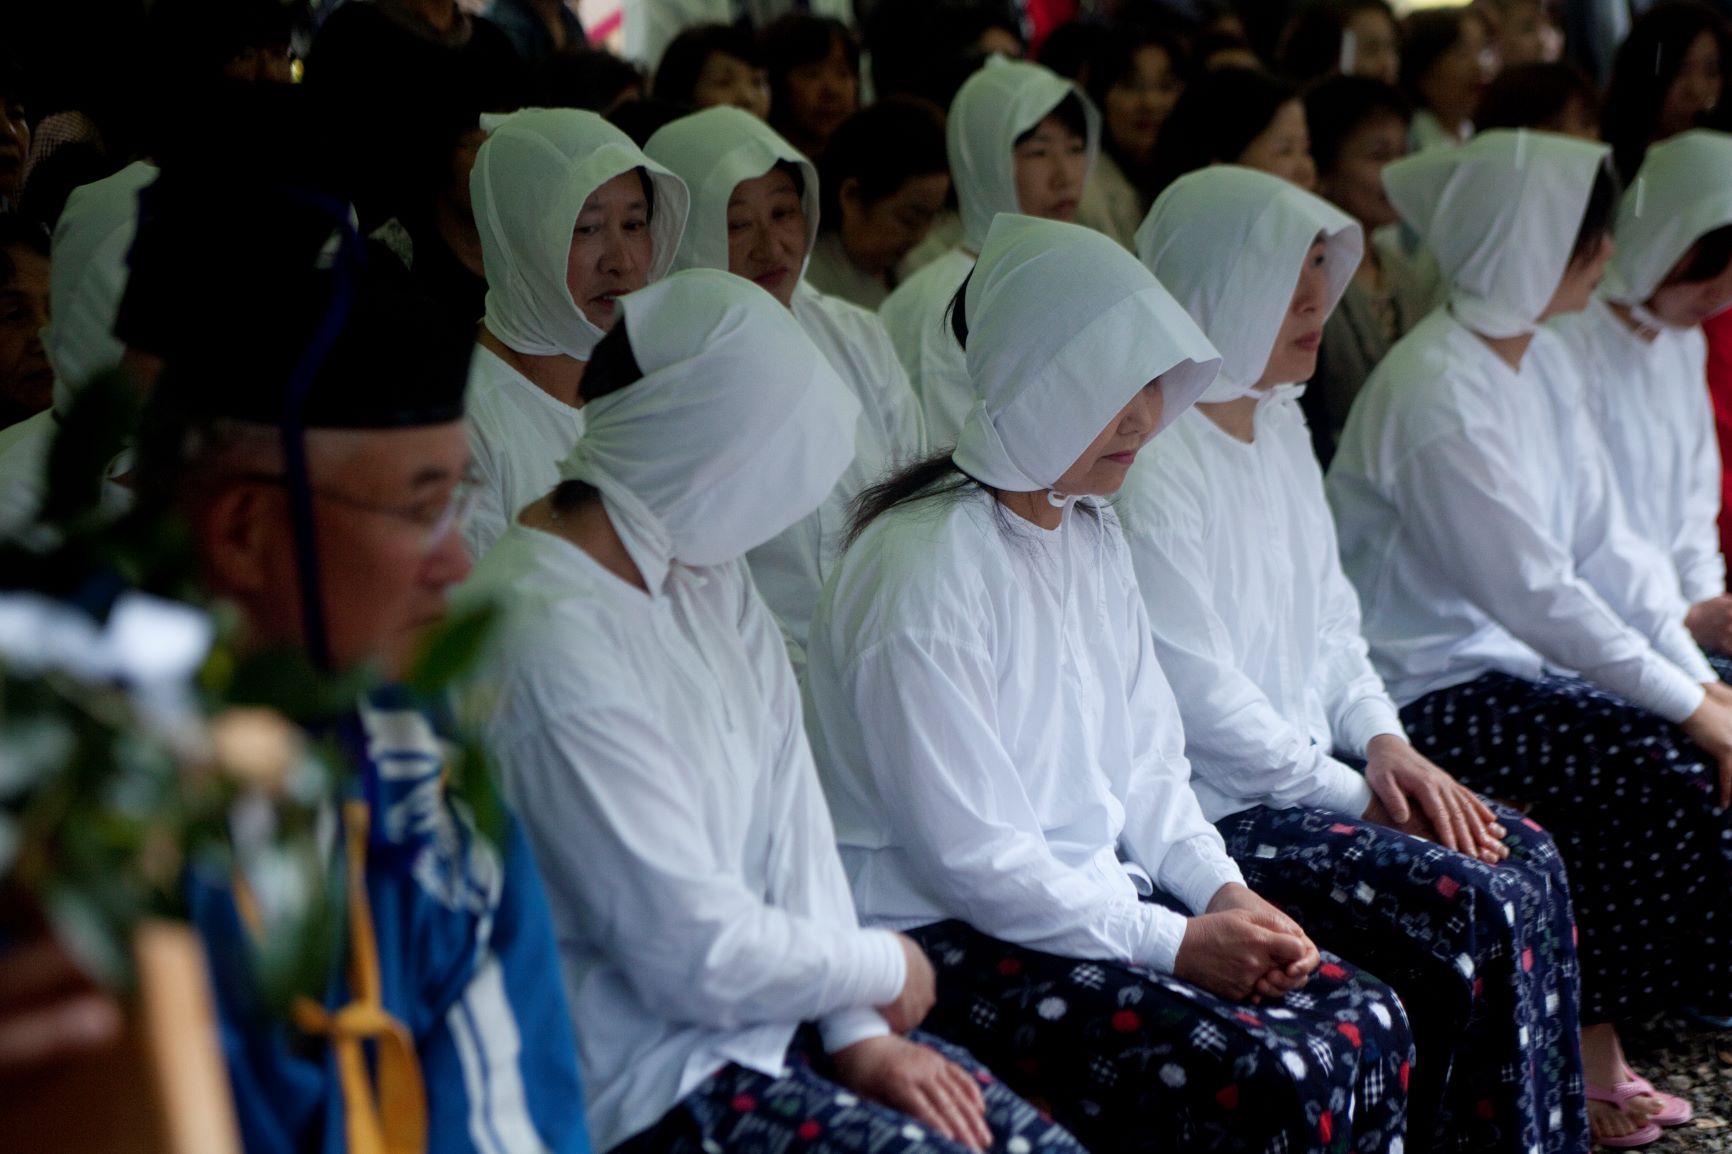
(308, 425)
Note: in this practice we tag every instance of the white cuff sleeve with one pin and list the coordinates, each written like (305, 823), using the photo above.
(1345, 789)
(844, 1028)
(1365, 719)
(1667, 691)
(1161, 939)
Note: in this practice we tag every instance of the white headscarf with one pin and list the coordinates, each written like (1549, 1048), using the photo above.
(738, 429)
(1230, 243)
(1005, 99)
(1501, 214)
(1064, 327)
(531, 177)
(1682, 192)
(713, 151)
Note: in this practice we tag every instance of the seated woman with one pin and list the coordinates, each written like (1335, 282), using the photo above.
(649, 730)
(1006, 767)
(1021, 139)
(1236, 116)
(1135, 76)
(572, 216)
(1512, 612)
(1446, 62)
(755, 214)
(813, 64)
(1257, 629)
(1644, 365)
(1358, 128)
(885, 179)
(713, 65)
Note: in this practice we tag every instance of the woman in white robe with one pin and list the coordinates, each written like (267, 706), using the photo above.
(1005, 762)
(1021, 138)
(1257, 629)
(755, 214)
(649, 730)
(1515, 616)
(1644, 365)
(571, 216)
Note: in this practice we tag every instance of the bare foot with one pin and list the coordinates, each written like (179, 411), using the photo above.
(1607, 1121)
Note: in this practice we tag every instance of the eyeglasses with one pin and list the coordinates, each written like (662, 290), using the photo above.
(436, 530)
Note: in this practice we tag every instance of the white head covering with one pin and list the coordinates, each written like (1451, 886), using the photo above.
(738, 429)
(1229, 243)
(1005, 99)
(531, 177)
(1064, 327)
(713, 151)
(1501, 214)
(1682, 192)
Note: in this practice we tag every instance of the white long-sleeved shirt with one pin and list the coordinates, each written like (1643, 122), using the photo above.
(1256, 626)
(654, 748)
(518, 436)
(1649, 400)
(790, 570)
(994, 733)
(1480, 527)
(917, 317)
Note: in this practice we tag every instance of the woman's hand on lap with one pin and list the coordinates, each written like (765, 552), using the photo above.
(920, 1082)
(1413, 795)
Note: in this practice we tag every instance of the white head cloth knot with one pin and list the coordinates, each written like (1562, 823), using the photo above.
(1501, 215)
(738, 428)
(531, 177)
(1230, 244)
(1682, 193)
(713, 151)
(996, 105)
(1064, 328)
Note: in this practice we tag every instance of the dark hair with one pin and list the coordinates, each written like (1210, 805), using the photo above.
(1598, 217)
(1211, 43)
(796, 39)
(53, 177)
(1647, 63)
(1068, 48)
(14, 81)
(1068, 112)
(1216, 119)
(1310, 45)
(927, 48)
(1112, 61)
(612, 366)
(1337, 106)
(881, 146)
(1426, 36)
(642, 119)
(17, 231)
(683, 61)
(1708, 257)
(1535, 95)
(583, 78)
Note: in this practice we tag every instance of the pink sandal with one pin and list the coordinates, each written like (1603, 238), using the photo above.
(1674, 1111)
(1618, 1095)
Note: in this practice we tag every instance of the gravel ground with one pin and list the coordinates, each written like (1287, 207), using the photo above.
(1695, 1063)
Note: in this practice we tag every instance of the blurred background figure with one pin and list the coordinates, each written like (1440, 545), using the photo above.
(537, 28)
(26, 378)
(1341, 37)
(1447, 59)
(1236, 116)
(1522, 31)
(1555, 97)
(884, 180)
(1135, 77)
(1669, 75)
(586, 78)
(711, 64)
(813, 64)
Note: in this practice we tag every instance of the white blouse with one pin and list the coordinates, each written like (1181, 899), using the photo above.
(791, 570)
(654, 748)
(994, 735)
(1650, 402)
(917, 317)
(1481, 529)
(1254, 622)
(518, 435)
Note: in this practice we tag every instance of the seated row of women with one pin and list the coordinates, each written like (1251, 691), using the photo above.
(1127, 793)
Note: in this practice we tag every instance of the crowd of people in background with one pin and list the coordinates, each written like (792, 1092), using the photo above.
(1084, 575)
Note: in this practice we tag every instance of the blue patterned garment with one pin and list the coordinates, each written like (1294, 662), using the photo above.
(1631, 803)
(466, 962)
(1135, 1063)
(743, 1111)
(1483, 958)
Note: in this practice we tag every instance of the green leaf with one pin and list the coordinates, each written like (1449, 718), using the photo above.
(451, 649)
